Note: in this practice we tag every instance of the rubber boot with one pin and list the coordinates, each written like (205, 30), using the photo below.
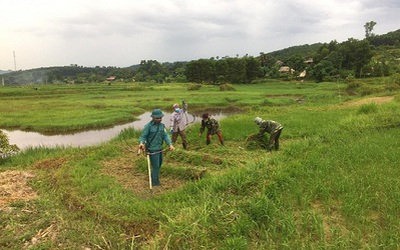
(222, 143)
(184, 145)
(208, 142)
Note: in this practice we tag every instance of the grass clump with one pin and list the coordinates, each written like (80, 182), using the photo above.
(368, 108)
(226, 87)
(256, 141)
(194, 86)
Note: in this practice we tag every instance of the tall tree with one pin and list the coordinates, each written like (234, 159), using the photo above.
(253, 69)
(369, 27)
(355, 54)
(150, 70)
(202, 70)
(236, 70)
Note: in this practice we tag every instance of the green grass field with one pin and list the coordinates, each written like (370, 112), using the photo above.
(333, 185)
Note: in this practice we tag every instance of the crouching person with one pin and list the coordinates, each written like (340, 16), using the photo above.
(273, 128)
(213, 128)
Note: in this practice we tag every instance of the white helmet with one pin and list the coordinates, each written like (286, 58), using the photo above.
(258, 120)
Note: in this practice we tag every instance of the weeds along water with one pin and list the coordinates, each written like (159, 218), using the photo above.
(332, 185)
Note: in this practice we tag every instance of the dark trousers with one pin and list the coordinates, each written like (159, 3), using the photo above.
(156, 162)
(183, 136)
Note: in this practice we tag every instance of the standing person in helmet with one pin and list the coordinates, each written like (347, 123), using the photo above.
(273, 128)
(153, 136)
(213, 128)
(178, 123)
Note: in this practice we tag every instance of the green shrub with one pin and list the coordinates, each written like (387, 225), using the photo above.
(350, 79)
(352, 84)
(392, 83)
(392, 87)
(5, 148)
(226, 87)
(393, 79)
(368, 90)
(194, 86)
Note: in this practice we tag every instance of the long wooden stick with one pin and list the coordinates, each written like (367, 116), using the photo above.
(149, 169)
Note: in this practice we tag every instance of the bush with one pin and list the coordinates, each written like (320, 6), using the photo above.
(353, 84)
(226, 87)
(5, 148)
(194, 86)
(393, 80)
(369, 90)
(392, 87)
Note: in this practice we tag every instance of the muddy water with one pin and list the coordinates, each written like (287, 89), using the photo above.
(86, 138)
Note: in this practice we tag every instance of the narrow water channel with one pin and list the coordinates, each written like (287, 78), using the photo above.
(26, 140)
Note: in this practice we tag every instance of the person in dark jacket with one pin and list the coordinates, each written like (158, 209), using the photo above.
(153, 136)
(273, 128)
(213, 128)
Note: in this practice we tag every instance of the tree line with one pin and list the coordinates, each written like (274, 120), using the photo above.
(376, 55)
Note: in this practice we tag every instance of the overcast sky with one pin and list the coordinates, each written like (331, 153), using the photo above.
(45, 33)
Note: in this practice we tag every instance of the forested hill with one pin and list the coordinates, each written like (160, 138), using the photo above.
(376, 55)
(389, 39)
(303, 50)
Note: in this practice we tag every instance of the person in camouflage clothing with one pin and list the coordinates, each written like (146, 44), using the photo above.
(273, 128)
(213, 128)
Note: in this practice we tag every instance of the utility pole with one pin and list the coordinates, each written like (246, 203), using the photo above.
(15, 62)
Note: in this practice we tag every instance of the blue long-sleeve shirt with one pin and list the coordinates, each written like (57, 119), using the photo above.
(154, 135)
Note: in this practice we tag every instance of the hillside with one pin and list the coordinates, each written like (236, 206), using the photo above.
(152, 70)
(303, 50)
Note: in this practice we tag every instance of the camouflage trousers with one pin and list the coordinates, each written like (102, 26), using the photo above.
(274, 139)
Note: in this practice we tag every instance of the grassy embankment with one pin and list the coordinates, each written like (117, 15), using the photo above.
(334, 183)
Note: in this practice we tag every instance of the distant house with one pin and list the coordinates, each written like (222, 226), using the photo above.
(286, 69)
(111, 78)
(309, 61)
(303, 74)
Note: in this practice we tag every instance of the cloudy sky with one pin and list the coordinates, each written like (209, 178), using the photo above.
(120, 33)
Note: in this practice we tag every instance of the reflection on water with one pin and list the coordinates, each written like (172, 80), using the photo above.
(87, 138)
